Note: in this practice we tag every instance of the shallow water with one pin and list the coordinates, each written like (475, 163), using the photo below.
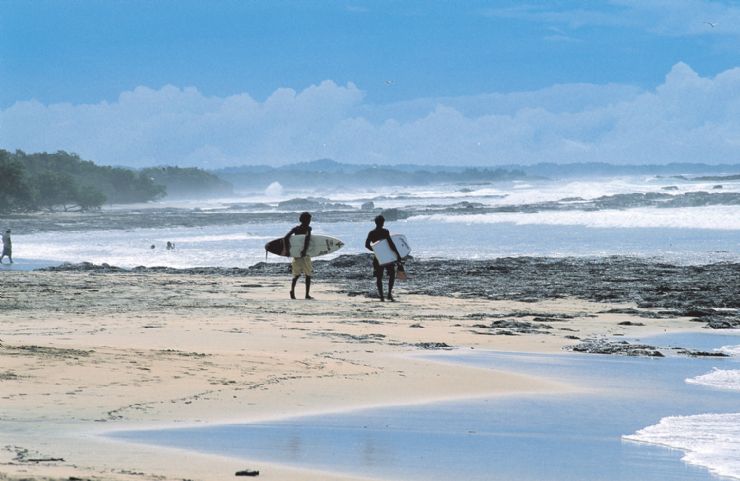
(555, 438)
(243, 245)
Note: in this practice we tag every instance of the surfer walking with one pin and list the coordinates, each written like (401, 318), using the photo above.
(375, 235)
(302, 264)
(7, 247)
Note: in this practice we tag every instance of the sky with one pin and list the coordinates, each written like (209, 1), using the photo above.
(223, 83)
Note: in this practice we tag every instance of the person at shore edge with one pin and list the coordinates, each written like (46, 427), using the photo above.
(7, 247)
(302, 264)
(375, 235)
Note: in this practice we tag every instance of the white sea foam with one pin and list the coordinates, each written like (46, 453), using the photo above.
(726, 379)
(715, 217)
(731, 350)
(709, 440)
(217, 238)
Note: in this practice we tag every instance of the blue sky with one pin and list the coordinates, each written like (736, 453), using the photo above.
(237, 82)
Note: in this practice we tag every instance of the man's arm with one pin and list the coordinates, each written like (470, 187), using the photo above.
(392, 245)
(286, 241)
(305, 242)
(368, 244)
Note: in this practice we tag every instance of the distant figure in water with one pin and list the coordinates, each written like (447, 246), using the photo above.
(170, 245)
(7, 247)
(153, 246)
(375, 235)
(302, 264)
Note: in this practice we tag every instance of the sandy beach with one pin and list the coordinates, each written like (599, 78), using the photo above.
(87, 352)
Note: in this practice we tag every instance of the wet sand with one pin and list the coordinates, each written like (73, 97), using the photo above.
(88, 352)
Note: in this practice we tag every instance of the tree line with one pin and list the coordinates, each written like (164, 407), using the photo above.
(63, 181)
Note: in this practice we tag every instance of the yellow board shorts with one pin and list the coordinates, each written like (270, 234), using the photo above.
(302, 265)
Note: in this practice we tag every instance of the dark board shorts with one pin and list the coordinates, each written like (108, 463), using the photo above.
(378, 269)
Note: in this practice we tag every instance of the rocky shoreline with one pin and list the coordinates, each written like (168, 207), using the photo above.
(708, 294)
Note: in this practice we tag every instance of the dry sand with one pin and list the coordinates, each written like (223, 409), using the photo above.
(85, 353)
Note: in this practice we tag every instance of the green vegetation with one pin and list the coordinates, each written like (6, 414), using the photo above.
(328, 173)
(42, 181)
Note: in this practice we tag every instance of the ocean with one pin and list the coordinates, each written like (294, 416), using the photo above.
(664, 218)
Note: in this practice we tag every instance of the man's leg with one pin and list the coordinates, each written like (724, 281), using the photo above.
(292, 286)
(378, 273)
(391, 280)
(379, 283)
(308, 287)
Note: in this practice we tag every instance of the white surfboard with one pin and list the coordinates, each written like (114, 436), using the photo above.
(319, 245)
(385, 254)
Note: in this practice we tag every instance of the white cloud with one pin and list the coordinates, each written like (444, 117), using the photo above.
(688, 118)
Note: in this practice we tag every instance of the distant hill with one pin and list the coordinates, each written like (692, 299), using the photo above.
(329, 173)
(600, 169)
(189, 183)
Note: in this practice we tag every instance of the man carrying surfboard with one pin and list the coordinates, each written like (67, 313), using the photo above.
(376, 235)
(302, 264)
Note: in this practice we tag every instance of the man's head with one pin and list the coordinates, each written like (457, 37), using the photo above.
(380, 221)
(7, 231)
(305, 218)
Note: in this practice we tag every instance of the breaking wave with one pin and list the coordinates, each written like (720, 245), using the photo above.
(714, 217)
(726, 379)
(709, 440)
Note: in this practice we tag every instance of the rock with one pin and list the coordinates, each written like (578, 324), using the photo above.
(691, 353)
(669, 187)
(511, 327)
(433, 345)
(394, 214)
(82, 267)
(497, 332)
(311, 204)
(550, 319)
(370, 205)
(620, 348)
(630, 323)
(247, 472)
(639, 312)
(721, 322)
(660, 290)
(695, 312)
